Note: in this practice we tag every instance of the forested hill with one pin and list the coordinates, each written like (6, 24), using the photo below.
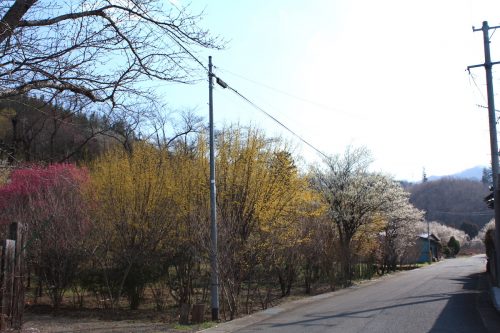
(452, 201)
(35, 130)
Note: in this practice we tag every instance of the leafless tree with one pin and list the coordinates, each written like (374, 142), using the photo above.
(97, 52)
(168, 129)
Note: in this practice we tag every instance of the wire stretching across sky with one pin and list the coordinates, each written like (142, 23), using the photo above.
(471, 77)
(481, 213)
(276, 121)
(261, 109)
(299, 98)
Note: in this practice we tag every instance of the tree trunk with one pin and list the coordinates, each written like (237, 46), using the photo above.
(13, 16)
(346, 263)
(282, 283)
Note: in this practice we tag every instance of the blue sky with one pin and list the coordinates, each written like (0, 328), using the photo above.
(387, 74)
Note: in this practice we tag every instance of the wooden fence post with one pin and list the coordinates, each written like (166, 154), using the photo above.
(11, 279)
(8, 260)
(18, 297)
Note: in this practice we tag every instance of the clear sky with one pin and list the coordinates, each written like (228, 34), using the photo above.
(386, 74)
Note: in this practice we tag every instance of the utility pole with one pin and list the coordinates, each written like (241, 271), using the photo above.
(214, 274)
(429, 242)
(493, 139)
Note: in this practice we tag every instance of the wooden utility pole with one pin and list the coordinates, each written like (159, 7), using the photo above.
(493, 139)
(214, 274)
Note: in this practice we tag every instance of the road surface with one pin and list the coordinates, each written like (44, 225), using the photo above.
(443, 297)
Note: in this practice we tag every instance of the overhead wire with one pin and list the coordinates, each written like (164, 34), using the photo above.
(306, 100)
(277, 121)
(481, 213)
(192, 56)
(260, 109)
(491, 36)
(471, 76)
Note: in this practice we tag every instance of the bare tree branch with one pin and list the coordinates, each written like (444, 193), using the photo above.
(13, 16)
(99, 50)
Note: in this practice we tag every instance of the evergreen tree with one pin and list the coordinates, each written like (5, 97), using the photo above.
(454, 246)
(487, 177)
(424, 176)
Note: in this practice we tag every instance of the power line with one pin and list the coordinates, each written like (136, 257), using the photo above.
(485, 107)
(481, 213)
(475, 83)
(190, 53)
(494, 30)
(320, 105)
(192, 56)
(225, 85)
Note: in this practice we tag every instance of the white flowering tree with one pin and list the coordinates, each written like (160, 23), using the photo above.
(400, 231)
(356, 198)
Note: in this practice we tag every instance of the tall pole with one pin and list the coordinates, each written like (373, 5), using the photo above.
(429, 242)
(214, 276)
(493, 140)
(494, 143)
(491, 108)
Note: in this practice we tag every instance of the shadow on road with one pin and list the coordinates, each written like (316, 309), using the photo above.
(460, 313)
(312, 319)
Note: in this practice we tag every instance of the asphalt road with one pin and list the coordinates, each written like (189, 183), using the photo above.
(443, 297)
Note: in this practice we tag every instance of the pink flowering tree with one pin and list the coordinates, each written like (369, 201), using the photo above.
(50, 203)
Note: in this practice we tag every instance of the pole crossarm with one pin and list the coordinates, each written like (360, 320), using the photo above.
(483, 65)
(481, 29)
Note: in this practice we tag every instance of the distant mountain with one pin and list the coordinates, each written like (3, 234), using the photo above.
(474, 173)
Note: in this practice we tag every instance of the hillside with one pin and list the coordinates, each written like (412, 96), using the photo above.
(452, 201)
(474, 173)
(35, 130)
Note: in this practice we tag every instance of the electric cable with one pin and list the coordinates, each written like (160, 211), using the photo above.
(475, 83)
(483, 213)
(274, 119)
(224, 85)
(320, 105)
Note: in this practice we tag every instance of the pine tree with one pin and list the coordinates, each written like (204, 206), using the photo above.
(454, 246)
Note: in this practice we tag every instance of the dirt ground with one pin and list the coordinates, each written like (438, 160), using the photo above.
(40, 318)
(48, 323)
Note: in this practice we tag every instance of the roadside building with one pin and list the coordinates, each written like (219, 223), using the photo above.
(423, 245)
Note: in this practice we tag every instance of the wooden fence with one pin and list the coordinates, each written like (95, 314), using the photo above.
(11, 279)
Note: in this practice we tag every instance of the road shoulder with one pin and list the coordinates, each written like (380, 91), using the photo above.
(484, 303)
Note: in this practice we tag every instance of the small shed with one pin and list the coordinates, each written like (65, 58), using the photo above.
(423, 245)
